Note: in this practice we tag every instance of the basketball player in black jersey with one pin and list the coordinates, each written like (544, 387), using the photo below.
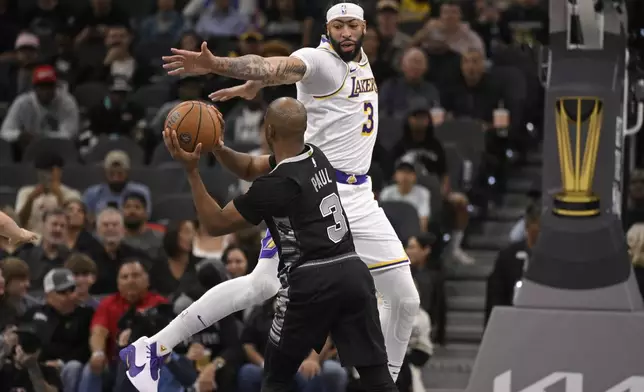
(326, 288)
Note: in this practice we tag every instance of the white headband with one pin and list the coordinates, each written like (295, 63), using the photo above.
(345, 10)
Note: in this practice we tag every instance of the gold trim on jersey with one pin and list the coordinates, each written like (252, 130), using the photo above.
(389, 263)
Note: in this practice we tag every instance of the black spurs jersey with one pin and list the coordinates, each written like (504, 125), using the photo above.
(299, 202)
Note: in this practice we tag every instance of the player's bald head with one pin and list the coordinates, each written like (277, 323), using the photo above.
(286, 117)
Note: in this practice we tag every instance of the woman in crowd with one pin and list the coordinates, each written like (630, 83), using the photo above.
(635, 239)
(207, 246)
(78, 236)
(178, 270)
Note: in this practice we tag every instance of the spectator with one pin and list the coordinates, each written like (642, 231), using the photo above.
(448, 32)
(477, 93)
(635, 204)
(393, 42)
(16, 77)
(397, 93)
(48, 111)
(33, 201)
(251, 42)
(220, 19)
(133, 283)
(315, 371)
(190, 40)
(84, 270)
(78, 237)
(95, 20)
(9, 29)
(110, 232)
(420, 147)
(207, 246)
(430, 281)
(284, 20)
(511, 263)
(23, 371)
(166, 25)
(45, 18)
(188, 88)
(215, 350)
(51, 252)
(635, 239)
(405, 189)
(111, 193)
(64, 59)
(525, 22)
(16, 283)
(518, 230)
(485, 23)
(137, 233)
(115, 115)
(244, 121)
(381, 67)
(236, 261)
(177, 272)
(65, 346)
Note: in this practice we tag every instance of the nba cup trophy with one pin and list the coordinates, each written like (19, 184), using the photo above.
(577, 324)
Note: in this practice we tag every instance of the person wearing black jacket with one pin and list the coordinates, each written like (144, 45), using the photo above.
(65, 340)
(511, 263)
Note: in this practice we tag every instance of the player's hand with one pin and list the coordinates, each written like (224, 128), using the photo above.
(189, 160)
(186, 62)
(309, 368)
(24, 237)
(247, 91)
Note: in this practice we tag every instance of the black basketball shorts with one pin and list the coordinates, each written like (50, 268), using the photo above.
(330, 297)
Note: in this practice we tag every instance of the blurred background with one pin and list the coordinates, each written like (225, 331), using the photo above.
(83, 99)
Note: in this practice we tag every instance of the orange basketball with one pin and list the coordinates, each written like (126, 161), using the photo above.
(195, 122)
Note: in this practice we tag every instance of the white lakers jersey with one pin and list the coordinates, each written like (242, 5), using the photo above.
(341, 100)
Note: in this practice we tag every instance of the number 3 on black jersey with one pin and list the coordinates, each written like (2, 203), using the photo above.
(330, 205)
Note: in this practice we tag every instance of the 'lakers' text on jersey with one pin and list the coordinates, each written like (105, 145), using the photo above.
(341, 100)
(299, 202)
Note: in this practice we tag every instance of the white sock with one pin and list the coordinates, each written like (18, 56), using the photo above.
(397, 314)
(457, 239)
(220, 301)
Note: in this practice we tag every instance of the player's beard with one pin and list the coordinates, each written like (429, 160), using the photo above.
(346, 56)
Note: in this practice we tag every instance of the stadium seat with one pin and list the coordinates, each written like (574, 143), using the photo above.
(403, 217)
(81, 177)
(220, 183)
(7, 196)
(6, 153)
(454, 166)
(90, 94)
(390, 130)
(467, 135)
(106, 144)
(151, 96)
(16, 175)
(64, 147)
(433, 184)
(174, 208)
(168, 178)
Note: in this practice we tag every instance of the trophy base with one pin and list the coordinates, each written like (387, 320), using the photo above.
(575, 205)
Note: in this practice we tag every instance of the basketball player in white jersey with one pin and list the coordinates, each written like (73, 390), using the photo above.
(335, 83)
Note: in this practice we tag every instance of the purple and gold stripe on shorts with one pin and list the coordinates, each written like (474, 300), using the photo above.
(269, 249)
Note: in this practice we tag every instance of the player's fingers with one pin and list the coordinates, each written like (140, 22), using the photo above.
(177, 71)
(204, 47)
(197, 151)
(171, 59)
(173, 65)
(184, 53)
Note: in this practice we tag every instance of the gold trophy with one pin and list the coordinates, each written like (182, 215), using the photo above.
(579, 122)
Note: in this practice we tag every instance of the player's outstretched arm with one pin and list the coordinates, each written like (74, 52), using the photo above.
(267, 70)
(245, 166)
(10, 230)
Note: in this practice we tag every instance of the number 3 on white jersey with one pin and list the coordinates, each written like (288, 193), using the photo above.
(367, 126)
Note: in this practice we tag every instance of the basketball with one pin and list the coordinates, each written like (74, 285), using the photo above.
(195, 122)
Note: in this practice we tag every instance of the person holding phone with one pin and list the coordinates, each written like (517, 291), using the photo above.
(48, 193)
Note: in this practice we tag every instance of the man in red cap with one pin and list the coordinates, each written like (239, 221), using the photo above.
(46, 111)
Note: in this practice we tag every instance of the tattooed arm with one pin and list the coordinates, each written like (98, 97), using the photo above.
(268, 71)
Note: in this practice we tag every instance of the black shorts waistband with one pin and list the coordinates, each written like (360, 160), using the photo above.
(330, 260)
